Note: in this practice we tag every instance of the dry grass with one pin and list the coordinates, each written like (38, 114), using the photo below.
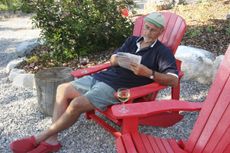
(207, 26)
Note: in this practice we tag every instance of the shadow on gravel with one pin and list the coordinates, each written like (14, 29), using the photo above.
(8, 43)
(12, 29)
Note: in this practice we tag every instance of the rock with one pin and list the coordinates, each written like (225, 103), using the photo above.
(163, 4)
(24, 80)
(14, 73)
(12, 64)
(228, 16)
(190, 1)
(216, 64)
(197, 64)
(26, 47)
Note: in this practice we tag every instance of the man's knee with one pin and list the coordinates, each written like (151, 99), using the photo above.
(80, 105)
(66, 90)
(63, 87)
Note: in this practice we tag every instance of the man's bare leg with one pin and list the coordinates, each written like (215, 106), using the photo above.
(68, 118)
(65, 92)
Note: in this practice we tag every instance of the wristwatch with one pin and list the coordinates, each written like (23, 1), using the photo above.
(152, 76)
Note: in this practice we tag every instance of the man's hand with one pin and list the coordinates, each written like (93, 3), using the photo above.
(141, 70)
(163, 79)
(113, 60)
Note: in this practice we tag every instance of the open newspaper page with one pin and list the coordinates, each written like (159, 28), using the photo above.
(125, 59)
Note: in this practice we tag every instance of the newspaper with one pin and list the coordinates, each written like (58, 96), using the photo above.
(125, 59)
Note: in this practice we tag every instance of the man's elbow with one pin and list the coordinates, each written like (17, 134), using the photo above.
(174, 82)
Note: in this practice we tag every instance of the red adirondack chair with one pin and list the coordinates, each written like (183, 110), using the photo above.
(211, 132)
(172, 36)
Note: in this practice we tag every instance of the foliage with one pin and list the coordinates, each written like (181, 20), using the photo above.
(193, 32)
(32, 59)
(15, 5)
(73, 28)
(228, 30)
(3, 7)
(27, 6)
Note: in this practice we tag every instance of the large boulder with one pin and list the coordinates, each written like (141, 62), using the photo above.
(216, 64)
(197, 64)
(24, 80)
(15, 72)
(26, 47)
(12, 64)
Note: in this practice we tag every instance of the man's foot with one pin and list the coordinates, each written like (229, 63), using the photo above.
(23, 145)
(46, 148)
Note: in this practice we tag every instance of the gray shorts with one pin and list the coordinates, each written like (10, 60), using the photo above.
(98, 93)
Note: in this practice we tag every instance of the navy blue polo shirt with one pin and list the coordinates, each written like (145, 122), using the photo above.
(157, 57)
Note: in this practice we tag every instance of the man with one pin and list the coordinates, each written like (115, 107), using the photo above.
(96, 91)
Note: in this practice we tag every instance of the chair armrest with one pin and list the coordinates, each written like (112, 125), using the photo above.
(144, 90)
(141, 91)
(145, 109)
(137, 92)
(90, 70)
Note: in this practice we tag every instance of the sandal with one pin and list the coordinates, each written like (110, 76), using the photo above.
(46, 148)
(23, 145)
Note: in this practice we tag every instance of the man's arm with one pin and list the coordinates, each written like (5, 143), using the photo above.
(166, 79)
(163, 79)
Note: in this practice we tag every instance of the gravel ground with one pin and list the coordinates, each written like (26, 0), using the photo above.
(20, 116)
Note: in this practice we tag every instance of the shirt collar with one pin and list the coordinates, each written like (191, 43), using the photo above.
(138, 43)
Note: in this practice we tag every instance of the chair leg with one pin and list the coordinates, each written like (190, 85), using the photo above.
(88, 114)
(175, 92)
(93, 116)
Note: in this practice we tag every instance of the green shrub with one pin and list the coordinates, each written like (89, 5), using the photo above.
(193, 32)
(27, 6)
(11, 5)
(3, 7)
(228, 30)
(32, 59)
(17, 5)
(73, 28)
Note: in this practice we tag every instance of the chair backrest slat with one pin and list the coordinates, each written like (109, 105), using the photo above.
(173, 34)
(227, 149)
(213, 121)
(217, 124)
(223, 143)
(137, 30)
(140, 146)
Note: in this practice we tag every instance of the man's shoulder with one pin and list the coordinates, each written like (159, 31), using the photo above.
(162, 47)
(133, 38)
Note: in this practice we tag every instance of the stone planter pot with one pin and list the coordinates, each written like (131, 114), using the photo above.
(47, 81)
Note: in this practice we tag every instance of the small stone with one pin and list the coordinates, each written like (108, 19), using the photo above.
(228, 16)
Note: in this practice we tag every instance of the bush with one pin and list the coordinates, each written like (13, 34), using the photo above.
(27, 6)
(17, 5)
(74, 28)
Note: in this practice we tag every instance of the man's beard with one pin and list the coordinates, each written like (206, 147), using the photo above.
(148, 40)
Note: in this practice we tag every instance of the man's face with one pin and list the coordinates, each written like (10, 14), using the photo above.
(151, 32)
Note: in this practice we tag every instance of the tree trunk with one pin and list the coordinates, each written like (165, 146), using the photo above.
(46, 83)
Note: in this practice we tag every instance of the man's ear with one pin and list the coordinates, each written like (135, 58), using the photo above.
(161, 31)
